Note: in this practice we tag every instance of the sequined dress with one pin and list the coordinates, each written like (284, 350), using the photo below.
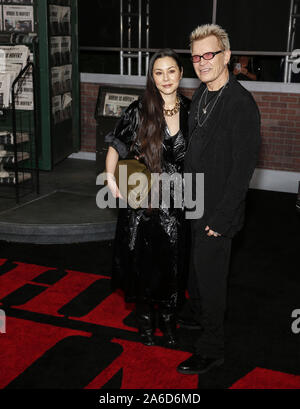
(149, 248)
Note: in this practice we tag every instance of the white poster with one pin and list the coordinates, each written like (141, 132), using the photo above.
(56, 109)
(5, 82)
(16, 54)
(57, 80)
(67, 106)
(66, 49)
(116, 104)
(24, 97)
(54, 18)
(18, 18)
(55, 50)
(67, 78)
(65, 20)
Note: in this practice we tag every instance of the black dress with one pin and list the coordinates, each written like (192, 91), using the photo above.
(149, 248)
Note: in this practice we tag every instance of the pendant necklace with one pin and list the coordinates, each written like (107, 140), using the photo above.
(173, 111)
(204, 109)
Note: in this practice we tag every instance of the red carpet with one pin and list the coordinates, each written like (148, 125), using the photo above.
(65, 329)
(26, 341)
(266, 379)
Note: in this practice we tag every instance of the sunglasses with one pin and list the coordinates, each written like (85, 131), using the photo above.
(206, 56)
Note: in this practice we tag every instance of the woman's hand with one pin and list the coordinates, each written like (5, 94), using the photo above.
(139, 157)
(112, 158)
(113, 187)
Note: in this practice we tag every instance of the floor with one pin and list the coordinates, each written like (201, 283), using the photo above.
(80, 334)
(65, 211)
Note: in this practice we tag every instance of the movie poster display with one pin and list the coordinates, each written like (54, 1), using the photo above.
(61, 60)
(12, 60)
(17, 17)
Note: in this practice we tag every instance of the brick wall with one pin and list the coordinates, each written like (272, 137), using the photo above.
(280, 113)
(89, 94)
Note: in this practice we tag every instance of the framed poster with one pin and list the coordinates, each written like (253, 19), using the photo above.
(113, 101)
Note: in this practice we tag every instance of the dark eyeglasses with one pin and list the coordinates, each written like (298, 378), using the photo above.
(206, 56)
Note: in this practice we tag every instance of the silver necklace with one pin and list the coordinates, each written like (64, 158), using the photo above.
(204, 109)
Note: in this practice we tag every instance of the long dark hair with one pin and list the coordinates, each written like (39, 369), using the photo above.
(150, 133)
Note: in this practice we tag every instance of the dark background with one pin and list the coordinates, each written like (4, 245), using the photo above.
(256, 25)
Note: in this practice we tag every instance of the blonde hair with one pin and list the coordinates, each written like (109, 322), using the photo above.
(207, 30)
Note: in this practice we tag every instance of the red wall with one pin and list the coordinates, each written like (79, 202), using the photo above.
(280, 114)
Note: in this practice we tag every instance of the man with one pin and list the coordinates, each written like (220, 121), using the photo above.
(242, 71)
(224, 140)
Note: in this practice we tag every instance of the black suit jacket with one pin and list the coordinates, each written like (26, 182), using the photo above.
(227, 155)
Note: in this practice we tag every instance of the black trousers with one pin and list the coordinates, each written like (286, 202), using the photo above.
(207, 289)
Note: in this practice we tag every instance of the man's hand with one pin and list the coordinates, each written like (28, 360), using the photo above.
(211, 232)
(244, 70)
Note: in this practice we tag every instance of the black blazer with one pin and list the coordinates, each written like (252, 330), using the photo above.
(227, 155)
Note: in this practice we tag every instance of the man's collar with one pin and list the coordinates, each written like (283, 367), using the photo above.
(231, 79)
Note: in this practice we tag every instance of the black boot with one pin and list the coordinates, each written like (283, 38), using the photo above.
(167, 319)
(145, 321)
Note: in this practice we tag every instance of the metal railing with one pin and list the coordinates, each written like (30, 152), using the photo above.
(290, 57)
(182, 51)
(131, 17)
(291, 39)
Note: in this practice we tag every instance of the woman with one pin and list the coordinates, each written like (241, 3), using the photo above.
(148, 255)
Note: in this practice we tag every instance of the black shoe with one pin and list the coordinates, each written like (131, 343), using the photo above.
(197, 364)
(167, 324)
(188, 323)
(145, 322)
(147, 338)
(170, 340)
